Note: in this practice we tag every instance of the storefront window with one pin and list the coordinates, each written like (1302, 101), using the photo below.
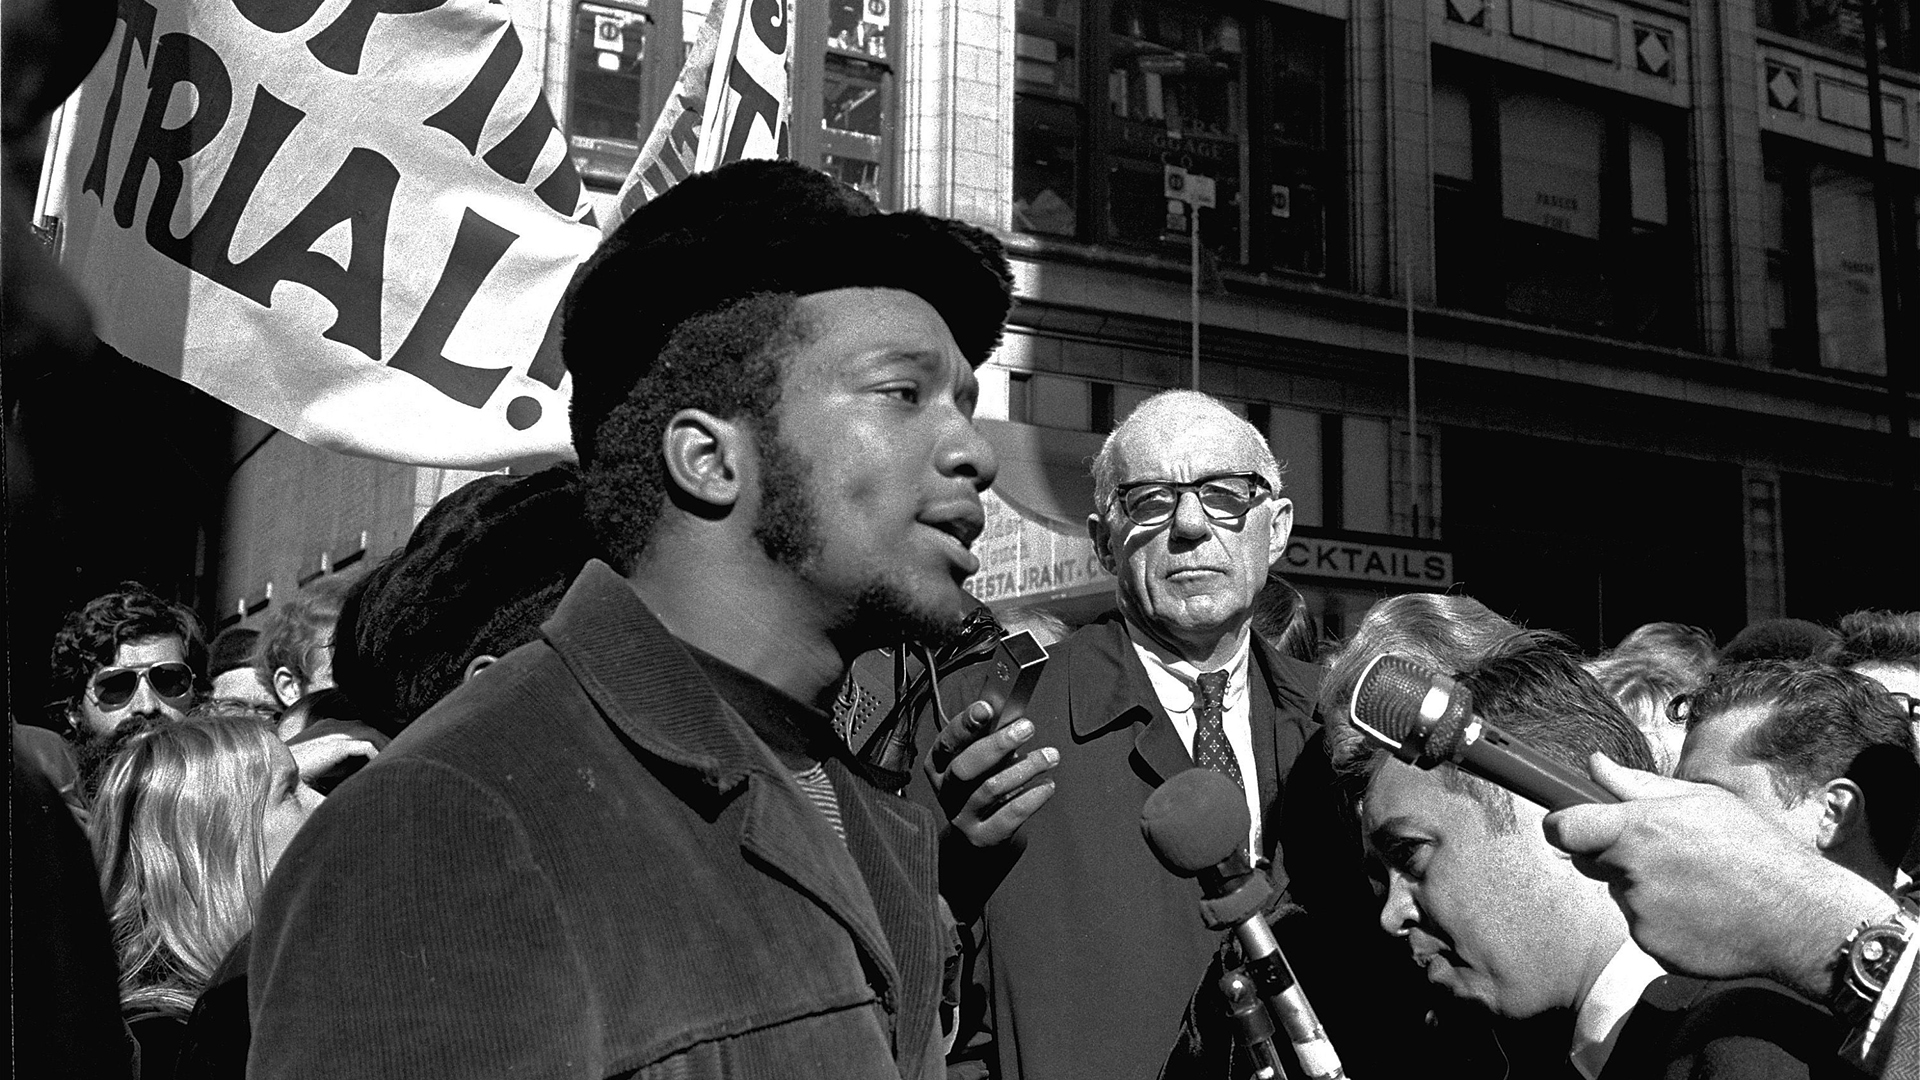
(604, 122)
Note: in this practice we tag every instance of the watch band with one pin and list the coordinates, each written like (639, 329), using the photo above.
(1876, 962)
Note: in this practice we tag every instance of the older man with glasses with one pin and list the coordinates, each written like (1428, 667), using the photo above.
(1092, 948)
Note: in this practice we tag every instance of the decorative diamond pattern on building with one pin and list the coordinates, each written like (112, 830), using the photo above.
(1653, 50)
(1470, 12)
(1783, 87)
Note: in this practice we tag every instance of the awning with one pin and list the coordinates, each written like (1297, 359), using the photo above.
(1035, 547)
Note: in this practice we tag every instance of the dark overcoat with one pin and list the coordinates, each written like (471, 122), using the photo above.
(584, 864)
(1091, 948)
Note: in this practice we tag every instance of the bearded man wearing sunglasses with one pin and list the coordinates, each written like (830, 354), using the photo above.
(127, 655)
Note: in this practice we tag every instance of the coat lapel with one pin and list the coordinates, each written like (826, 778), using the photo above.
(782, 831)
(670, 710)
(1117, 693)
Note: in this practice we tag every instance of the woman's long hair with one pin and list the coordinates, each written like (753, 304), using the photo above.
(177, 834)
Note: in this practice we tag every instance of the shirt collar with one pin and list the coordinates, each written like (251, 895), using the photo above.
(1604, 1013)
(1173, 677)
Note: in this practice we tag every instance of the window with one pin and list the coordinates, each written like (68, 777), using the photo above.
(857, 107)
(1109, 93)
(1557, 205)
(1837, 25)
(605, 119)
(1823, 259)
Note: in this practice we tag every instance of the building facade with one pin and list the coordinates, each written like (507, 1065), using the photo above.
(1623, 260)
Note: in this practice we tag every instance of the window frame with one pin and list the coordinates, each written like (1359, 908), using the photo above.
(1466, 283)
(1797, 345)
(1096, 137)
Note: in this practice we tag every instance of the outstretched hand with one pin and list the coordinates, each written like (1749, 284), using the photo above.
(985, 785)
(1709, 886)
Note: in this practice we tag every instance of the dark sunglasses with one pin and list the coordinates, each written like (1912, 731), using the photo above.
(115, 686)
(1222, 498)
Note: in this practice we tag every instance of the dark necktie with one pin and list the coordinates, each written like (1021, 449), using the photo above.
(1211, 750)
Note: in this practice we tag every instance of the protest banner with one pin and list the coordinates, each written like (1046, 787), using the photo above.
(352, 219)
(733, 100)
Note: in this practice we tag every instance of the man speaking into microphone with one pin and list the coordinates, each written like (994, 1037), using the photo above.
(1499, 918)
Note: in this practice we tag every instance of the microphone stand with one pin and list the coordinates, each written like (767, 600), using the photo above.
(1234, 896)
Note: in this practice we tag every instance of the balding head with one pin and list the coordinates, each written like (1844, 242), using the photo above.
(1167, 415)
(1189, 582)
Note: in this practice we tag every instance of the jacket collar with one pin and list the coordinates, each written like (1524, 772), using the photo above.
(662, 702)
(645, 683)
(1108, 688)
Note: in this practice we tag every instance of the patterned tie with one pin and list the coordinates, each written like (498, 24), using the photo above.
(1210, 747)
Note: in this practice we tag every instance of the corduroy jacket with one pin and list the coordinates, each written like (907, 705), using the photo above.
(584, 864)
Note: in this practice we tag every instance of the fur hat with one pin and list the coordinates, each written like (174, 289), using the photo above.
(481, 572)
(762, 227)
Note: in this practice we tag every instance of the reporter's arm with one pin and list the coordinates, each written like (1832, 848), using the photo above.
(1709, 886)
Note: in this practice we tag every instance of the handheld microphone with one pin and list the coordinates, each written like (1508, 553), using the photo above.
(1196, 823)
(1426, 718)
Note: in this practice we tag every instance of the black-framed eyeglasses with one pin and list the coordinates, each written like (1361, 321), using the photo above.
(115, 686)
(1222, 498)
(1907, 702)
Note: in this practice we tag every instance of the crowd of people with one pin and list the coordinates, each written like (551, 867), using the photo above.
(673, 763)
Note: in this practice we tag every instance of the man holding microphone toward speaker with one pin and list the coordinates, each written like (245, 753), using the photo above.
(1498, 917)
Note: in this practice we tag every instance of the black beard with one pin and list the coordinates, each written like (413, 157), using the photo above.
(786, 528)
(883, 615)
(788, 531)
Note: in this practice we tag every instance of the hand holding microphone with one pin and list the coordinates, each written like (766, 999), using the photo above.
(1426, 718)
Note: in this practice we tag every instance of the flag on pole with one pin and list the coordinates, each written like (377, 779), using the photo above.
(353, 221)
(733, 100)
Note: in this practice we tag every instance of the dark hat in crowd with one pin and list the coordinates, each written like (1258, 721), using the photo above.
(232, 648)
(481, 572)
(756, 227)
(1779, 639)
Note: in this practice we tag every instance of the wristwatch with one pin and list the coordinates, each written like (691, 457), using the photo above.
(1868, 957)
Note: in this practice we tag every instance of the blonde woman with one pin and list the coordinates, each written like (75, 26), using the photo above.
(190, 818)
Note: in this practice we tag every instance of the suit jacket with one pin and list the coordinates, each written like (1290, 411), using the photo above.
(1091, 947)
(583, 863)
(1751, 1029)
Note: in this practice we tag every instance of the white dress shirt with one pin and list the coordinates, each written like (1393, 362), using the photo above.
(1596, 1028)
(1173, 681)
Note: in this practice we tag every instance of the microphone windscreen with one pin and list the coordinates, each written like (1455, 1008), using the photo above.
(1394, 691)
(1195, 821)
